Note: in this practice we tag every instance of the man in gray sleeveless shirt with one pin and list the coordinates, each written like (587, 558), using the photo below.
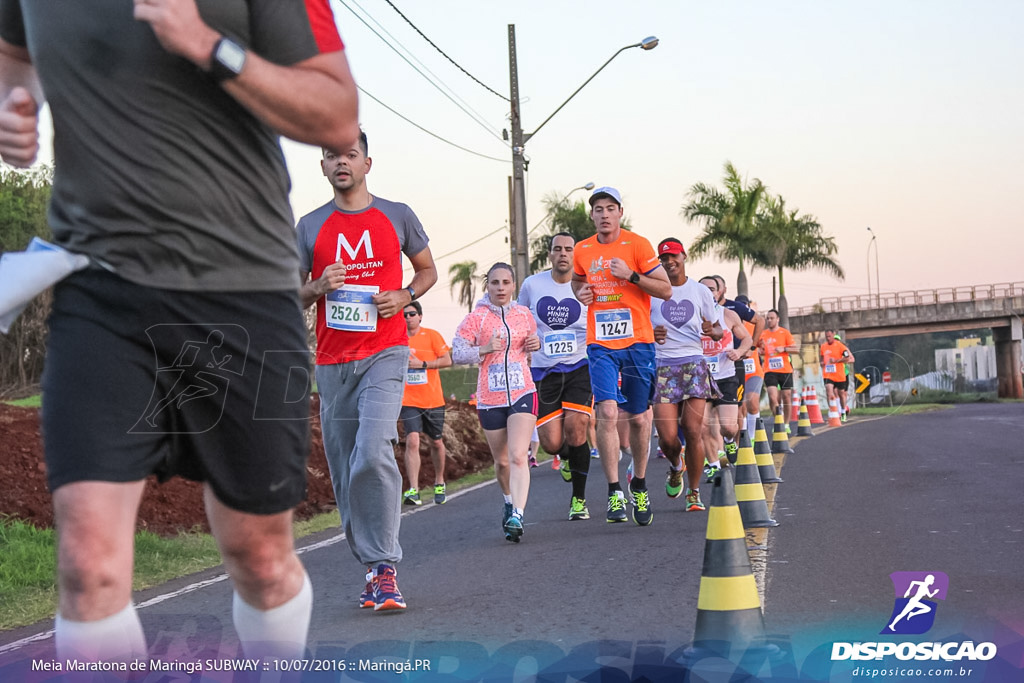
(172, 353)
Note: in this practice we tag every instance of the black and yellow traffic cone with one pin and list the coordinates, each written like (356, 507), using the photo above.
(728, 606)
(803, 426)
(750, 492)
(780, 440)
(763, 456)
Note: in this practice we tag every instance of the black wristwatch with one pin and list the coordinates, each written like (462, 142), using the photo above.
(424, 365)
(227, 59)
(635, 278)
(412, 293)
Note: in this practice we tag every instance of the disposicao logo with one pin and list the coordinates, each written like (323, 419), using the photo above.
(913, 613)
(914, 610)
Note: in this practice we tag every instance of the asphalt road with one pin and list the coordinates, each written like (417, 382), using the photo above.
(929, 492)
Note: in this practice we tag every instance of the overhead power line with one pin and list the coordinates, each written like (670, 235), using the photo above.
(410, 53)
(466, 246)
(443, 54)
(480, 123)
(430, 133)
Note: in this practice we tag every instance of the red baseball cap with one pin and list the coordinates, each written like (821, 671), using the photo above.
(671, 246)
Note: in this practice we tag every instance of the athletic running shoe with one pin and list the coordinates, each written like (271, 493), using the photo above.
(731, 450)
(412, 497)
(366, 599)
(506, 513)
(578, 509)
(660, 454)
(842, 417)
(642, 514)
(556, 462)
(386, 595)
(616, 507)
(693, 503)
(533, 461)
(594, 455)
(514, 528)
(789, 432)
(565, 471)
(629, 473)
(710, 472)
(440, 494)
(674, 483)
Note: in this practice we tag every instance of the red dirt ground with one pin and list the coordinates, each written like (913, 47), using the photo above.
(178, 504)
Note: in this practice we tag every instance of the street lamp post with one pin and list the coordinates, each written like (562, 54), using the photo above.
(519, 241)
(878, 287)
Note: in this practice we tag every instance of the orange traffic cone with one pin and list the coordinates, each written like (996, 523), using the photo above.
(780, 440)
(795, 413)
(833, 413)
(763, 455)
(749, 491)
(813, 409)
(803, 427)
(728, 606)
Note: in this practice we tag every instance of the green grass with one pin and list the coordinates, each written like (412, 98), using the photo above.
(28, 591)
(29, 402)
(905, 409)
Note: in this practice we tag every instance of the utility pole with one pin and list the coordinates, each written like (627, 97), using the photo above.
(520, 241)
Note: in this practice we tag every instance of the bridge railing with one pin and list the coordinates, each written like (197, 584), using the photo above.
(921, 297)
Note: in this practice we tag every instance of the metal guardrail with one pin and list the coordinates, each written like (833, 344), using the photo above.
(921, 297)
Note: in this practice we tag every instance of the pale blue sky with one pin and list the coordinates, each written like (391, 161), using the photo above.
(905, 116)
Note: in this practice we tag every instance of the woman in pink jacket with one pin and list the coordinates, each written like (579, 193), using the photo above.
(499, 335)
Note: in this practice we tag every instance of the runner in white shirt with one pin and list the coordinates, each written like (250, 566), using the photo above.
(684, 382)
(560, 369)
(720, 424)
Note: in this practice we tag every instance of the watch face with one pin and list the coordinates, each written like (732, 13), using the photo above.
(231, 55)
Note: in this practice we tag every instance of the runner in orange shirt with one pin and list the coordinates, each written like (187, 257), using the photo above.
(776, 344)
(615, 274)
(423, 403)
(834, 357)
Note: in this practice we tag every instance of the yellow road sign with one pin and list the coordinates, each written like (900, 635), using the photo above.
(862, 383)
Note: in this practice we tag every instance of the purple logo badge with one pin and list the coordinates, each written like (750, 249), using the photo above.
(677, 313)
(914, 609)
(558, 314)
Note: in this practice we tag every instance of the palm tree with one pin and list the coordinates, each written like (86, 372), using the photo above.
(463, 276)
(786, 239)
(727, 219)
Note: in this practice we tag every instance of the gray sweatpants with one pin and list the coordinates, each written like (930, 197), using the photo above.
(359, 405)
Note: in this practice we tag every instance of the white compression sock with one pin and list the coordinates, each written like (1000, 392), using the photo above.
(277, 632)
(751, 426)
(118, 637)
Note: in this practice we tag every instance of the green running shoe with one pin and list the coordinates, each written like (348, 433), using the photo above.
(731, 451)
(513, 528)
(440, 494)
(616, 508)
(693, 503)
(674, 483)
(578, 509)
(642, 514)
(412, 497)
(565, 471)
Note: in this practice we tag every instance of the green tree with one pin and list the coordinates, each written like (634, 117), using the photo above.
(787, 239)
(726, 218)
(462, 276)
(24, 196)
(564, 216)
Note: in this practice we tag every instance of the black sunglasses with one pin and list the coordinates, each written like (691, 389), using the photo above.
(411, 314)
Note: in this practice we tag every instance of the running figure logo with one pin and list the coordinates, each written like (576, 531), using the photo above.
(189, 392)
(914, 609)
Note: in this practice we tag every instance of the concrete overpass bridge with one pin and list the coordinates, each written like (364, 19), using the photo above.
(999, 307)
